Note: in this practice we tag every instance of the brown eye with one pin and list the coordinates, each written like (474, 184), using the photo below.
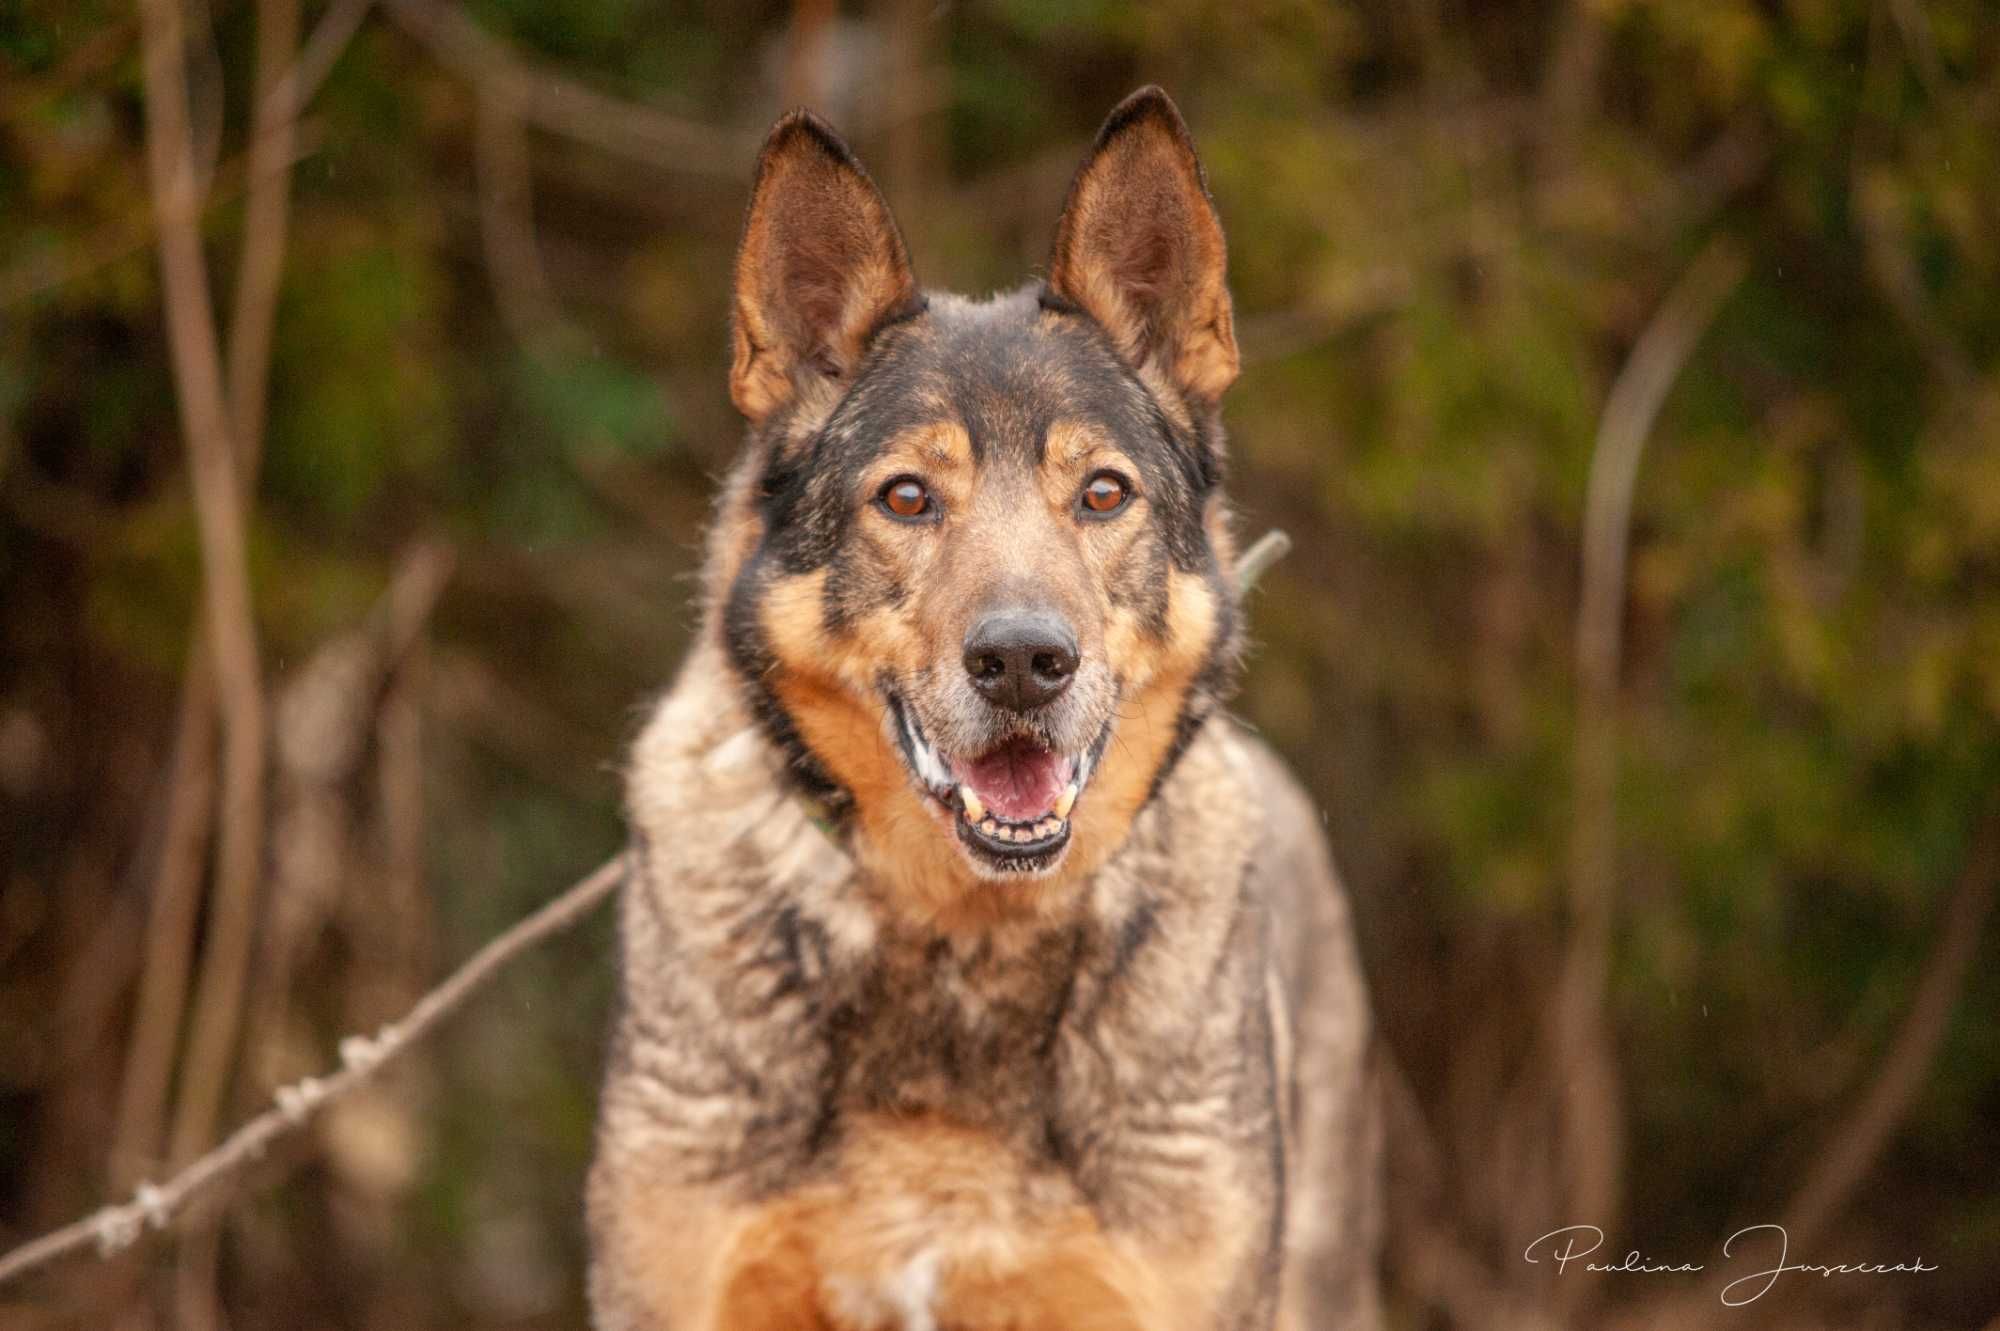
(1105, 493)
(906, 498)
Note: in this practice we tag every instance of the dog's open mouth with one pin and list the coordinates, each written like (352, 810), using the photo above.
(1012, 803)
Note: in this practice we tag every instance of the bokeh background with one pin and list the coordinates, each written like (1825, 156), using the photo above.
(1625, 371)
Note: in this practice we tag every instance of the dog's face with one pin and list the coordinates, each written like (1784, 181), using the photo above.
(976, 572)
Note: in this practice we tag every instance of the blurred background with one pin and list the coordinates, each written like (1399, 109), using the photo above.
(1627, 372)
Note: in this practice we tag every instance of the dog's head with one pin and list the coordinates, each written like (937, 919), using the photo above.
(975, 569)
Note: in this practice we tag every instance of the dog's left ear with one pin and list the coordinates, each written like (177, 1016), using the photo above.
(1140, 250)
(820, 269)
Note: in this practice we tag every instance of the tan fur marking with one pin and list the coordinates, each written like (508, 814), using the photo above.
(927, 1213)
(825, 684)
(939, 452)
(1074, 450)
(1157, 685)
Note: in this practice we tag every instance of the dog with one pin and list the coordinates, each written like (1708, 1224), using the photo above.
(977, 971)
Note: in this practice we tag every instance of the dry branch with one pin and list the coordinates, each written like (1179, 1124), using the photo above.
(115, 240)
(285, 85)
(507, 220)
(1853, 1146)
(1265, 551)
(563, 106)
(115, 1228)
(1590, 1126)
(265, 214)
(1857, 1141)
(172, 906)
(205, 421)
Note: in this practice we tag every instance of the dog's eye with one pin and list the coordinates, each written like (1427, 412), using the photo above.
(905, 497)
(1105, 493)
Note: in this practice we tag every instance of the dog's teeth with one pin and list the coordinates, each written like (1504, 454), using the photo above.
(974, 810)
(989, 827)
(1066, 801)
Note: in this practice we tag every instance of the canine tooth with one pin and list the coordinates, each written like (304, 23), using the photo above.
(1066, 801)
(989, 827)
(928, 765)
(974, 810)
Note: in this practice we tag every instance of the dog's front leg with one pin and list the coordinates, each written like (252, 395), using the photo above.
(657, 1251)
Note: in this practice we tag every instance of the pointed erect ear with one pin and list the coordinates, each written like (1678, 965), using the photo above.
(1139, 249)
(820, 268)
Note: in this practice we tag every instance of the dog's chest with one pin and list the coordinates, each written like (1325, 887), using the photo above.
(966, 1029)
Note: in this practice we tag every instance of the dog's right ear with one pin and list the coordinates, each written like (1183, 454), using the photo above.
(820, 269)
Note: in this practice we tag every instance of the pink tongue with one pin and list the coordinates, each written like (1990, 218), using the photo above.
(1019, 781)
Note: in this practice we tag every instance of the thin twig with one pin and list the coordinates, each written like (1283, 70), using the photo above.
(901, 105)
(1569, 84)
(172, 907)
(507, 221)
(115, 240)
(1267, 550)
(285, 87)
(1435, 1260)
(115, 1228)
(1852, 1147)
(323, 719)
(219, 512)
(55, 266)
(1876, 204)
(563, 106)
(218, 1016)
(1591, 1134)
(322, 51)
(805, 52)
(265, 216)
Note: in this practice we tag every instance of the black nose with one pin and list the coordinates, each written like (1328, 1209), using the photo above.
(1020, 658)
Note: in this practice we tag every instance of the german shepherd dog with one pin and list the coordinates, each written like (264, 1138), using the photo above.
(977, 971)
